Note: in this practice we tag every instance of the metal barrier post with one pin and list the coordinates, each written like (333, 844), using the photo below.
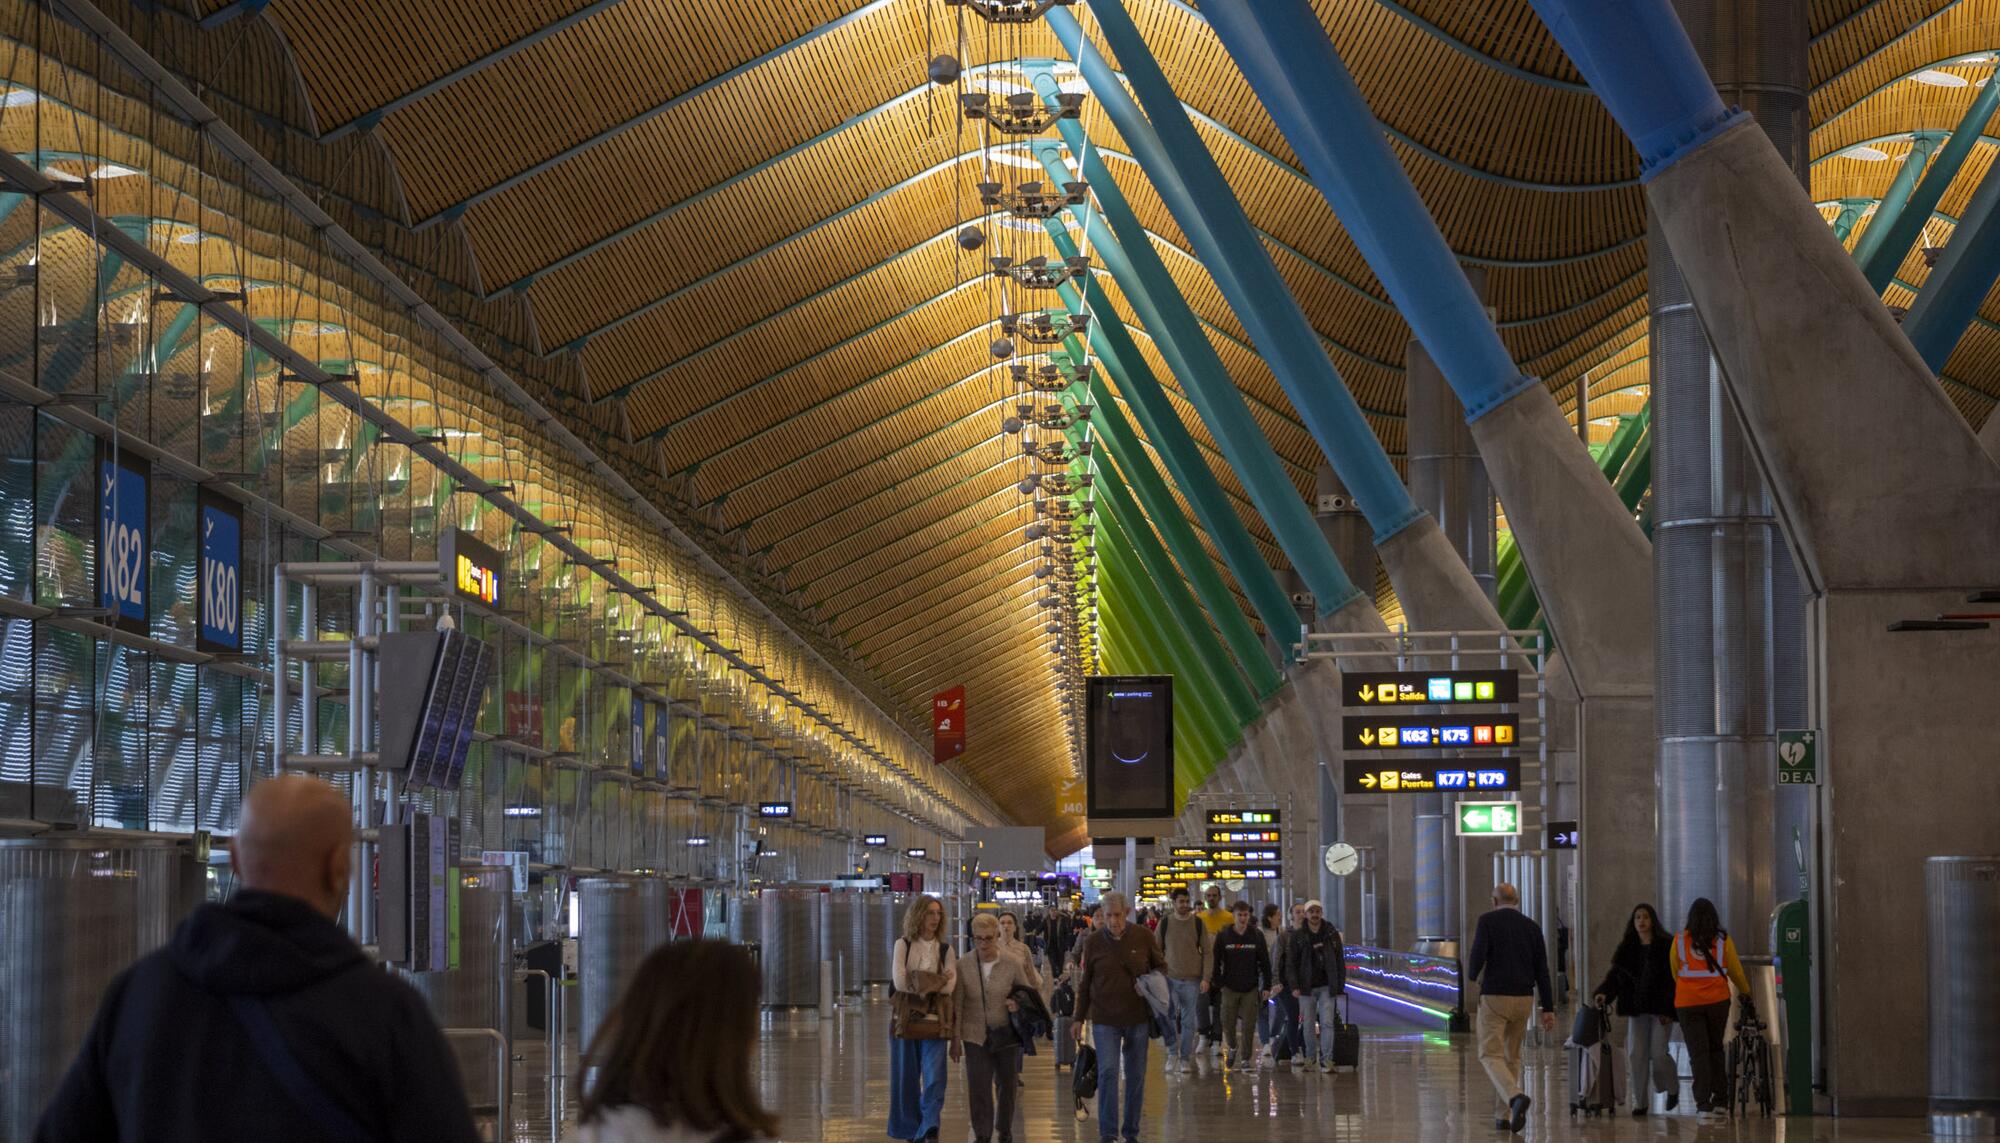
(503, 1088)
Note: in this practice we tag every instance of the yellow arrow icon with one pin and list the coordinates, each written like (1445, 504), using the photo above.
(1367, 738)
(1367, 693)
(1368, 781)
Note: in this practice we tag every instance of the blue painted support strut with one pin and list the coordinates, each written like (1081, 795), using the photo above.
(1638, 59)
(1882, 229)
(1283, 51)
(1880, 260)
(1208, 386)
(1178, 451)
(1195, 192)
(1966, 271)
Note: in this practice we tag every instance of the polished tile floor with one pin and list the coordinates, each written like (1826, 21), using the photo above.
(828, 1081)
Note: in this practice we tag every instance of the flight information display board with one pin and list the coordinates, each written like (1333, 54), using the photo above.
(1438, 688)
(1428, 731)
(1431, 776)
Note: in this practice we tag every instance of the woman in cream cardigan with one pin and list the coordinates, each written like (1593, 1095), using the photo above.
(985, 1038)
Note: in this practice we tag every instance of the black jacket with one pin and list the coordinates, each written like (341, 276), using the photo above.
(167, 1060)
(1242, 963)
(1641, 980)
(1315, 960)
(1030, 1018)
(1510, 957)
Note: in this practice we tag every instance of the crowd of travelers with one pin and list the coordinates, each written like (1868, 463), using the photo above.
(311, 1041)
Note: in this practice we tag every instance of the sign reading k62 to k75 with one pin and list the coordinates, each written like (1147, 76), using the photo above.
(1429, 731)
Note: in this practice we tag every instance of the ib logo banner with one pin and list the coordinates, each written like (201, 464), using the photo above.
(123, 535)
(220, 585)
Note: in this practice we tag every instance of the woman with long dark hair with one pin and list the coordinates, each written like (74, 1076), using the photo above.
(1641, 985)
(658, 1082)
(1704, 964)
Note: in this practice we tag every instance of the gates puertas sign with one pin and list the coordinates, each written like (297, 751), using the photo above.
(124, 537)
(219, 579)
(1430, 776)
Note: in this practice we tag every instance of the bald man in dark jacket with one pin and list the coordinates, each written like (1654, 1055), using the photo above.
(262, 1019)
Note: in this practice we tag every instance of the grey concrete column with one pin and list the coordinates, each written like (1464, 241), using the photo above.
(1729, 603)
(1447, 476)
(1346, 529)
(1989, 434)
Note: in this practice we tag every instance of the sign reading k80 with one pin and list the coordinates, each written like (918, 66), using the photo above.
(1428, 731)
(1410, 688)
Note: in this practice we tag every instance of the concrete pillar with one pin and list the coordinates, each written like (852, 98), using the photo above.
(1447, 476)
(1989, 434)
(1345, 527)
(1729, 605)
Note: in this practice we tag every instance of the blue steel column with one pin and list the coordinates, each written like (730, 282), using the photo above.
(1208, 385)
(1587, 557)
(1880, 258)
(1878, 482)
(1887, 239)
(1435, 587)
(1952, 293)
(1177, 448)
(1850, 213)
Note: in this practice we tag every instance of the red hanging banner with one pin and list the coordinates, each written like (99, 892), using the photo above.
(948, 724)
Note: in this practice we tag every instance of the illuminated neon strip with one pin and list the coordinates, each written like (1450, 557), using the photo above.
(1374, 994)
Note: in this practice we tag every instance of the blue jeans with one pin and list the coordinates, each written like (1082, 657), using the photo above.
(1274, 1027)
(1187, 999)
(916, 1087)
(1317, 1010)
(1294, 1042)
(1120, 1051)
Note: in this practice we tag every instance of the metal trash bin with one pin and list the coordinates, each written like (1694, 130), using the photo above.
(1962, 896)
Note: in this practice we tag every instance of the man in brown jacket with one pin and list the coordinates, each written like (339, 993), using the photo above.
(1107, 996)
(984, 1038)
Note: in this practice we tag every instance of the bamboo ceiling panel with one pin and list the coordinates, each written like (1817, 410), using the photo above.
(1507, 31)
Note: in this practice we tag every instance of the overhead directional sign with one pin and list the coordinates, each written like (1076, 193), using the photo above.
(1244, 836)
(1409, 688)
(1798, 758)
(1428, 731)
(1242, 817)
(1489, 819)
(1562, 835)
(1429, 776)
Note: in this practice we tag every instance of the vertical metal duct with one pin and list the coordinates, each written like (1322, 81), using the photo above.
(1964, 908)
(883, 924)
(622, 920)
(1729, 618)
(839, 938)
(1448, 480)
(73, 914)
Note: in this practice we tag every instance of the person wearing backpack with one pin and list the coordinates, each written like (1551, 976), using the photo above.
(1189, 950)
(1641, 985)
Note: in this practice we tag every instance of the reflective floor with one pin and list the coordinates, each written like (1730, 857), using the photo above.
(828, 1080)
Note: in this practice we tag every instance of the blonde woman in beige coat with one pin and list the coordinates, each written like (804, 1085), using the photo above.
(985, 1038)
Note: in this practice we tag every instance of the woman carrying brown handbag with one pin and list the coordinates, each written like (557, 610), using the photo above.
(925, 979)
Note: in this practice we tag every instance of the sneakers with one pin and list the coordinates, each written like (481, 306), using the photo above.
(1266, 1061)
(1326, 1066)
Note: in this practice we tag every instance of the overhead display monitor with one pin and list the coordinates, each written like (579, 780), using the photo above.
(1129, 741)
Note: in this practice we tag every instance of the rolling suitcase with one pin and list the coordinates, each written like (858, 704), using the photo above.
(1346, 1040)
(1595, 1070)
(1065, 1035)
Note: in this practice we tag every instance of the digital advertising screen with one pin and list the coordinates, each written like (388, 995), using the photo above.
(1129, 743)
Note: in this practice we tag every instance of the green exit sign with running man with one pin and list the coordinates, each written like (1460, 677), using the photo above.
(1489, 819)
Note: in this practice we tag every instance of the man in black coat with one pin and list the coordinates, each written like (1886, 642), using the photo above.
(262, 1019)
(1510, 960)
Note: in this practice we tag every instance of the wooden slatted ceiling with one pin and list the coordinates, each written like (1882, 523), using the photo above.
(329, 34)
(830, 397)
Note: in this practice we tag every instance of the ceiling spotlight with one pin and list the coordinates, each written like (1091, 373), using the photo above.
(1022, 113)
(1038, 273)
(1009, 11)
(1037, 531)
(945, 69)
(1056, 452)
(971, 238)
(1032, 199)
(1030, 483)
(1002, 348)
(1012, 425)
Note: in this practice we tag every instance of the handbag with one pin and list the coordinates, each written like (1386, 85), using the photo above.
(1083, 1078)
(1589, 1026)
(924, 1012)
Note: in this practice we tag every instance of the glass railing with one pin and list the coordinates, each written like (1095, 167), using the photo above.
(1411, 982)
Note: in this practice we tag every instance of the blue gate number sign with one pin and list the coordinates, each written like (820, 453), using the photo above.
(219, 587)
(124, 538)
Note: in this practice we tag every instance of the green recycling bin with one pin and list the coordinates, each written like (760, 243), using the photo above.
(1791, 944)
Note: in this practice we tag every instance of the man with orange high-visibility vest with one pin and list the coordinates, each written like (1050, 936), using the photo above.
(1704, 963)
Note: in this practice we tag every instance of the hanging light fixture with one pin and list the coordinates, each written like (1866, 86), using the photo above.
(1022, 112)
(1009, 11)
(1039, 273)
(1034, 200)
(1043, 329)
